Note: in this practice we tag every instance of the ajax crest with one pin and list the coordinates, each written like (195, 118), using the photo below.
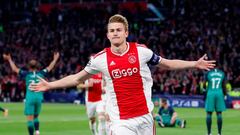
(132, 59)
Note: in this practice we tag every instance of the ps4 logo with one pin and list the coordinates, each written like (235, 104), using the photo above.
(185, 103)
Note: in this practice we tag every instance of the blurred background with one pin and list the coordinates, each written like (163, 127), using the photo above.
(182, 29)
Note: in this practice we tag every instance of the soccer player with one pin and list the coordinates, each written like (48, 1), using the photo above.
(103, 119)
(33, 99)
(215, 98)
(5, 111)
(167, 117)
(93, 88)
(128, 79)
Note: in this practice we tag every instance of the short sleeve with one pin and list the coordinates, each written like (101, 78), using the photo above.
(155, 59)
(23, 73)
(148, 56)
(92, 66)
(44, 72)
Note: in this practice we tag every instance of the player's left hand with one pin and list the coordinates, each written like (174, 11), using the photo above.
(205, 64)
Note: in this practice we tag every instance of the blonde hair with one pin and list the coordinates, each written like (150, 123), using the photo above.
(119, 19)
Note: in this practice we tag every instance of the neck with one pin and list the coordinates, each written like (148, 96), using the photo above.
(120, 49)
(32, 70)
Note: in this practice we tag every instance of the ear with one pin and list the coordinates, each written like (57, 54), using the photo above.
(126, 34)
(107, 36)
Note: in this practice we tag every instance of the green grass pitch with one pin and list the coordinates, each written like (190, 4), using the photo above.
(70, 119)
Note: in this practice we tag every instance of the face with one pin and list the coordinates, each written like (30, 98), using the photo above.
(163, 104)
(117, 34)
(33, 64)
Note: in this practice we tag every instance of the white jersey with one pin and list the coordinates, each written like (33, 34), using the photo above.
(128, 80)
(101, 107)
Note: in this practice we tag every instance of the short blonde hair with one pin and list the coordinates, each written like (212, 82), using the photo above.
(117, 18)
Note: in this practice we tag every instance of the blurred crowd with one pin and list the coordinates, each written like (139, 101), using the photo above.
(190, 29)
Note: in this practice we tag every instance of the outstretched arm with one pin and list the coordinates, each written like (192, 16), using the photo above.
(68, 81)
(54, 61)
(12, 64)
(85, 85)
(182, 64)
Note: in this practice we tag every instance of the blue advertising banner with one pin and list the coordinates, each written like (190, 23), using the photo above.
(196, 101)
(181, 100)
(191, 102)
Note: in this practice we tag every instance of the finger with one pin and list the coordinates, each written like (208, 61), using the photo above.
(37, 90)
(33, 87)
(211, 61)
(207, 69)
(4, 56)
(210, 68)
(212, 65)
(204, 56)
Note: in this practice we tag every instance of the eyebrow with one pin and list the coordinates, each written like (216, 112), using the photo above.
(116, 29)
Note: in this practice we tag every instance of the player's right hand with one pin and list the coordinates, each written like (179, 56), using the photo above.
(6, 56)
(56, 55)
(42, 85)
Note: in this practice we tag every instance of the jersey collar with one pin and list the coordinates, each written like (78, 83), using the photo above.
(123, 52)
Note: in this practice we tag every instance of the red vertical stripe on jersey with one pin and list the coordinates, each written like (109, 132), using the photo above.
(95, 92)
(127, 82)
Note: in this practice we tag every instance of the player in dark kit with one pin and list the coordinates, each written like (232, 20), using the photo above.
(167, 117)
(33, 99)
(215, 97)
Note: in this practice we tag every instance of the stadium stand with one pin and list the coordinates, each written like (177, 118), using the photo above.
(37, 28)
